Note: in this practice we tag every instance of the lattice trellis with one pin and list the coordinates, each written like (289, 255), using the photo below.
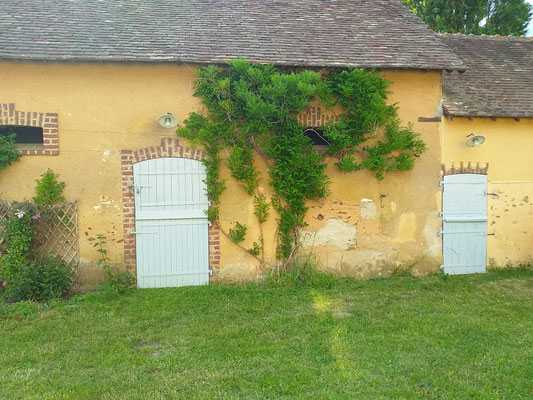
(57, 230)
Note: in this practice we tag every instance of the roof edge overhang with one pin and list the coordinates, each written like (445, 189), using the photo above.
(486, 115)
(169, 60)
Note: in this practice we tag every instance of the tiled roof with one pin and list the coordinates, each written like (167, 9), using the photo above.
(499, 79)
(364, 33)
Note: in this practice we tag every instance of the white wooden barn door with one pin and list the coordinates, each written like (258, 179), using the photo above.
(171, 226)
(464, 223)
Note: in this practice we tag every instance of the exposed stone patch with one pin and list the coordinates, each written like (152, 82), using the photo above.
(320, 212)
(368, 209)
(336, 233)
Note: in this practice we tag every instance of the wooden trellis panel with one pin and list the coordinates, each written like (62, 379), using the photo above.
(57, 230)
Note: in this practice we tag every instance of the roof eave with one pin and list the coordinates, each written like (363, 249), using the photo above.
(164, 60)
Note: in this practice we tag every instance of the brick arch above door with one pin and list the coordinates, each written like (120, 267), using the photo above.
(169, 148)
(465, 169)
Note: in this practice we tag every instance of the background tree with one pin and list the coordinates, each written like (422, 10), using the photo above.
(491, 17)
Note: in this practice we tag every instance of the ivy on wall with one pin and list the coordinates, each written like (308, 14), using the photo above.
(8, 151)
(253, 108)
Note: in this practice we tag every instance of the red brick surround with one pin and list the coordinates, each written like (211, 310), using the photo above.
(47, 121)
(168, 148)
(465, 170)
(314, 117)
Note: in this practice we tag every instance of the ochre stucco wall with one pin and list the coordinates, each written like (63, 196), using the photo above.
(508, 149)
(105, 108)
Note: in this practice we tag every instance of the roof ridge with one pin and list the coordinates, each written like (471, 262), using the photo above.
(521, 38)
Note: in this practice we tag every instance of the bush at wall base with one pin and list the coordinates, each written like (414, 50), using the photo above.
(40, 280)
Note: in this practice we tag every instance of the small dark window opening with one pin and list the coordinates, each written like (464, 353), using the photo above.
(26, 137)
(317, 136)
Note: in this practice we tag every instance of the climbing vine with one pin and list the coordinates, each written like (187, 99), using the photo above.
(8, 151)
(253, 108)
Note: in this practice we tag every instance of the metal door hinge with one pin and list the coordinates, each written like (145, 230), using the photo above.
(210, 272)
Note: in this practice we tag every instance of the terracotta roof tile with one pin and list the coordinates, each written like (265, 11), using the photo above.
(499, 81)
(363, 33)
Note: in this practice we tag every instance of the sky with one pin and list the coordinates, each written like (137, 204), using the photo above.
(530, 29)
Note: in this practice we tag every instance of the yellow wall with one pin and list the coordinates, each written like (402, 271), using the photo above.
(507, 149)
(104, 108)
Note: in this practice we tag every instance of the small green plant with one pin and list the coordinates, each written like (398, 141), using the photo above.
(255, 250)
(238, 233)
(301, 272)
(120, 281)
(8, 151)
(49, 189)
(402, 272)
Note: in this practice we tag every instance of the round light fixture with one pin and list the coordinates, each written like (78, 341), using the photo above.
(475, 140)
(167, 121)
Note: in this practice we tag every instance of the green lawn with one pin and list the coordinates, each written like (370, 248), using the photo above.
(467, 337)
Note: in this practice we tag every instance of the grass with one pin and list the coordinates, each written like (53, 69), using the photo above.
(434, 337)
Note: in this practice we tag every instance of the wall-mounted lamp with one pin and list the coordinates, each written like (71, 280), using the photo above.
(167, 121)
(475, 140)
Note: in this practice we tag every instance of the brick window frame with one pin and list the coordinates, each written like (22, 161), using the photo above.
(462, 169)
(315, 117)
(45, 120)
(169, 148)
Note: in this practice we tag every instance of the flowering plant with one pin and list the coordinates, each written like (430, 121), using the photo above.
(18, 238)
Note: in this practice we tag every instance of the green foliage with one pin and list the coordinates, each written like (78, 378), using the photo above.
(403, 272)
(40, 280)
(253, 108)
(362, 94)
(255, 250)
(238, 233)
(121, 282)
(301, 272)
(491, 17)
(49, 189)
(241, 164)
(20, 310)
(23, 274)
(261, 208)
(18, 238)
(8, 151)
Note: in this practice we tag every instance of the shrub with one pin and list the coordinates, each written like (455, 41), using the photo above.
(8, 151)
(49, 189)
(41, 280)
(24, 275)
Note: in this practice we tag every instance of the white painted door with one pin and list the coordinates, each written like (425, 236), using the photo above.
(171, 226)
(464, 223)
